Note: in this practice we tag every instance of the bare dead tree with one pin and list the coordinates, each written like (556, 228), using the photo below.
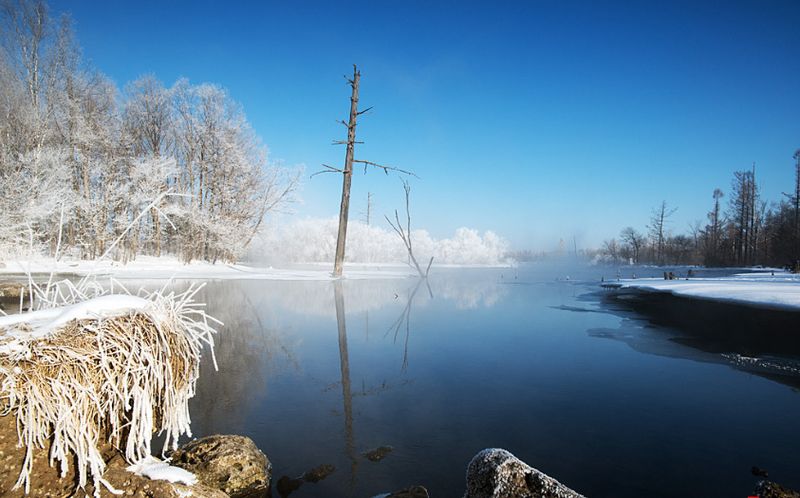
(794, 200)
(347, 171)
(405, 234)
(658, 221)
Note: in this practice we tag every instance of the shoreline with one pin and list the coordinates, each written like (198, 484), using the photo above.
(166, 268)
(775, 291)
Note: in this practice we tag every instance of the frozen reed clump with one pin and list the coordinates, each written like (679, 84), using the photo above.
(88, 369)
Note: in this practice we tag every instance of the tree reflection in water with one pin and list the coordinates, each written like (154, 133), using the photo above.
(347, 394)
(242, 345)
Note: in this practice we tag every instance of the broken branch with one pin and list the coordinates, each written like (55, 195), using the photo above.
(386, 169)
(330, 169)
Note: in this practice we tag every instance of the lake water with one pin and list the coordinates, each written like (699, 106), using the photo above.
(525, 359)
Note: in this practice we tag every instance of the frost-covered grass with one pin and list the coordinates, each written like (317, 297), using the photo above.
(82, 371)
(776, 290)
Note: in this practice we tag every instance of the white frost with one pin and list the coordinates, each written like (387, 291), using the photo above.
(46, 320)
(153, 468)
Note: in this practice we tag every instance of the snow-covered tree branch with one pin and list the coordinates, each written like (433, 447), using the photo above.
(70, 140)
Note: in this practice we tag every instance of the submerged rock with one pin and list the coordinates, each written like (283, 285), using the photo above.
(318, 473)
(412, 492)
(377, 454)
(768, 489)
(496, 473)
(286, 486)
(232, 464)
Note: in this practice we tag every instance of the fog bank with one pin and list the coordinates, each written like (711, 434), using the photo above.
(313, 240)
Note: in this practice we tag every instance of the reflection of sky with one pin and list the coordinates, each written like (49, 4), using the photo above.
(518, 371)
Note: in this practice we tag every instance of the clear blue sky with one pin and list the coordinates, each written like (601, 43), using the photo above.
(538, 120)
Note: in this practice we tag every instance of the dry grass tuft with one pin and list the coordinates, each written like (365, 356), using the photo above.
(112, 379)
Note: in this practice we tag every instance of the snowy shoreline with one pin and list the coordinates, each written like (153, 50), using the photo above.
(767, 290)
(165, 268)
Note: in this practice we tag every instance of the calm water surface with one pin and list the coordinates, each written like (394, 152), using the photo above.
(523, 359)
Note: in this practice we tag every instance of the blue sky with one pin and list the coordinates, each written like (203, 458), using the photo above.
(539, 120)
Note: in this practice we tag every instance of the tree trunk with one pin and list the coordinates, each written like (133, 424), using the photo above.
(156, 231)
(347, 177)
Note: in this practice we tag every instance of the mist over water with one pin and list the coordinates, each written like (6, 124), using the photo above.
(533, 359)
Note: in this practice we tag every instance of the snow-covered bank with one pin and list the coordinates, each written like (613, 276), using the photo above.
(151, 268)
(770, 290)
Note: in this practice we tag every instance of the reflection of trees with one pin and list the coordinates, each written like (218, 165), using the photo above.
(246, 348)
(471, 293)
(344, 364)
(405, 319)
(347, 395)
(365, 296)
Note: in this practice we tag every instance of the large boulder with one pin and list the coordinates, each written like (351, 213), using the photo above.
(496, 473)
(233, 464)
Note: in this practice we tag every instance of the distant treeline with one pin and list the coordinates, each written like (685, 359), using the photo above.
(742, 229)
(83, 165)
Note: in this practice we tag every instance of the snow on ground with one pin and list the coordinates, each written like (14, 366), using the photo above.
(152, 268)
(155, 469)
(776, 290)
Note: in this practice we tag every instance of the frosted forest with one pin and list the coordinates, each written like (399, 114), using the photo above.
(169, 169)
(592, 287)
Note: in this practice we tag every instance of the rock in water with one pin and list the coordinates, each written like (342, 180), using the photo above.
(767, 489)
(412, 492)
(318, 473)
(496, 473)
(233, 464)
(286, 486)
(377, 454)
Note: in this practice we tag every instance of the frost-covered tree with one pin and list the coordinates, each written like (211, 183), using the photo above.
(225, 172)
(147, 123)
(68, 135)
(35, 191)
(314, 241)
